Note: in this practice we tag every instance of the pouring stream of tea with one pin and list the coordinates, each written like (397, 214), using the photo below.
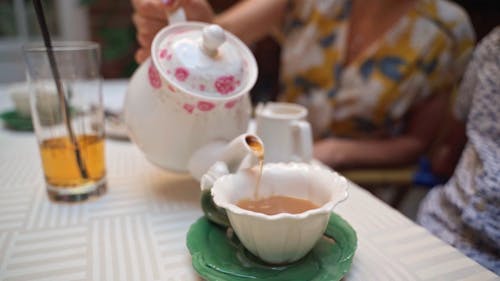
(258, 149)
(275, 204)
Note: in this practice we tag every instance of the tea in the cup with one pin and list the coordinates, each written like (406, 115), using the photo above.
(284, 237)
(277, 204)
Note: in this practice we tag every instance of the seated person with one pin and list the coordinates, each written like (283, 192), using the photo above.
(465, 212)
(375, 75)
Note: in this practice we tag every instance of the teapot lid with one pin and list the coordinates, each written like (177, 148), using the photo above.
(204, 60)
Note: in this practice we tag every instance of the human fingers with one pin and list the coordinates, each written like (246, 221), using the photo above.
(154, 9)
(147, 26)
(198, 10)
(141, 55)
(172, 5)
(146, 31)
(144, 41)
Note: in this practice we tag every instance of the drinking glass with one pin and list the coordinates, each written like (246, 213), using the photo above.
(69, 130)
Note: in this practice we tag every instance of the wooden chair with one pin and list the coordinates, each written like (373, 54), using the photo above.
(398, 179)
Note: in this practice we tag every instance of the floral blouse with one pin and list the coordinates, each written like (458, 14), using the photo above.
(424, 52)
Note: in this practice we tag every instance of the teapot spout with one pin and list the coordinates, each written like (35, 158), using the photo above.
(238, 154)
(242, 152)
(234, 155)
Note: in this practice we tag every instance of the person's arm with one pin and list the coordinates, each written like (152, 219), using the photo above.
(424, 122)
(449, 148)
(150, 16)
(250, 20)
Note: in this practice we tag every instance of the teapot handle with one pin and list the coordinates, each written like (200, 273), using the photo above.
(303, 143)
(177, 16)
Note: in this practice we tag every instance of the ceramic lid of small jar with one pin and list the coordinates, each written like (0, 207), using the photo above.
(204, 60)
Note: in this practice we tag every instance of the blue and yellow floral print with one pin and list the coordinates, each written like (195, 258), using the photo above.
(423, 53)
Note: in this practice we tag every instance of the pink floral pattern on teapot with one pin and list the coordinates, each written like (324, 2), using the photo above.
(154, 77)
(188, 107)
(200, 61)
(205, 105)
(202, 106)
(226, 84)
(213, 78)
(231, 104)
(181, 74)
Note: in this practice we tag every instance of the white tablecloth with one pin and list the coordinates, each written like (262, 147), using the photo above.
(137, 230)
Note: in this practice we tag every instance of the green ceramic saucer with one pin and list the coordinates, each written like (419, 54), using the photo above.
(217, 256)
(15, 121)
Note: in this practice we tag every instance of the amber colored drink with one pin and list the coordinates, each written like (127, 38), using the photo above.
(258, 149)
(277, 204)
(60, 164)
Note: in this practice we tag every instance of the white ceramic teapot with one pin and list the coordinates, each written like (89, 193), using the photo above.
(190, 95)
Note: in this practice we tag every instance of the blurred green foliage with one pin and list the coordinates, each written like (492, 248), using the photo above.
(87, 2)
(7, 19)
(117, 41)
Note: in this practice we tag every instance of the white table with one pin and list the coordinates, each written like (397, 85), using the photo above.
(137, 230)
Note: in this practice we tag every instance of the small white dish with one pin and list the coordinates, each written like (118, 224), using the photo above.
(20, 95)
(285, 237)
(46, 98)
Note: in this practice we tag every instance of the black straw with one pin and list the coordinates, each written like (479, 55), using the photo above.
(63, 104)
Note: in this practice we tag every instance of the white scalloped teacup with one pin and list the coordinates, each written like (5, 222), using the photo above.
(284, 237)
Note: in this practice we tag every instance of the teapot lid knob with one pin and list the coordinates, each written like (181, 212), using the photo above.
(213, 37)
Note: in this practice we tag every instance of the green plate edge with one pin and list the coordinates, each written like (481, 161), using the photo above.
(15, 121)
(327, 261)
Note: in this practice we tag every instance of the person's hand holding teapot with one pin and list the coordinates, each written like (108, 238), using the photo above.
(152, 15)
(249, 20)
